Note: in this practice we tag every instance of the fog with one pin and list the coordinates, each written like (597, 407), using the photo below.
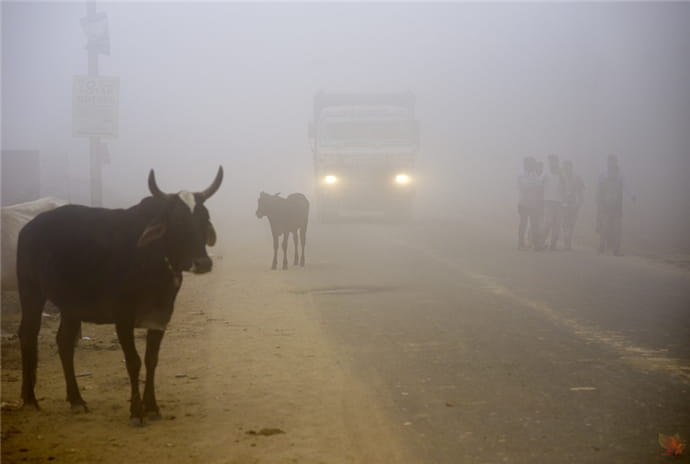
(424, 332)
(203, 84)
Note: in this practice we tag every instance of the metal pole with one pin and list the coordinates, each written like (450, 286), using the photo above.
(94, 142)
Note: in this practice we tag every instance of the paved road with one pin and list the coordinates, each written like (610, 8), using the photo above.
(488, 354)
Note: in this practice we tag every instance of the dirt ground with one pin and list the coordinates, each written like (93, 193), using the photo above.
(246, 375)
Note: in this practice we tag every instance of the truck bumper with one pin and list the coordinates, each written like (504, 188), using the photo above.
(365, 200)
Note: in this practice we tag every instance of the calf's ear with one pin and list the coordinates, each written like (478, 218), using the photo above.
(210, 235)
(152, 232)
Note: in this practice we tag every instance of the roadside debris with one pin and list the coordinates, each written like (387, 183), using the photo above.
(9, 337)
(672, 444)
(10, 405)
(267, 432)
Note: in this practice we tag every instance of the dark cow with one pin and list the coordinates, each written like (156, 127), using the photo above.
(286, 215)
(110, 266)
(14, 218)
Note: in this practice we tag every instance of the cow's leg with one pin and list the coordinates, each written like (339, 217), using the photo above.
(275, 251)
(303, 239)
(32, 306)
(153, 344)
(67, 333)
(285, 240)
(294, 239)
(125, 333)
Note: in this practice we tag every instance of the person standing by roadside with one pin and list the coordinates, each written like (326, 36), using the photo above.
(537, 228)
(529, 188)
(540, 168)
(574, 190)
(610, 207)
(554, 197)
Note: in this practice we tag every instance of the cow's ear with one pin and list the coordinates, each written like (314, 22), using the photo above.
(151, 233)
(210, 235)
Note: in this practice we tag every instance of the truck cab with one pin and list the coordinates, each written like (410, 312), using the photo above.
(364, 148)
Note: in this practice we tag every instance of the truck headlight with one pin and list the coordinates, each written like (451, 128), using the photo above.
(330, 179)
(402, 179)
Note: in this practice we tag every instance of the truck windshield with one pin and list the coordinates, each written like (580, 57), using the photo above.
(349, 132)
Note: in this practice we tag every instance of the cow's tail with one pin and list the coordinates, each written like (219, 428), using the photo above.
(32, 300)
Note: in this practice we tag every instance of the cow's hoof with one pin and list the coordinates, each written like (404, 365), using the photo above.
(153, 415)
(31, 404)
(136, 421)
(78, 408)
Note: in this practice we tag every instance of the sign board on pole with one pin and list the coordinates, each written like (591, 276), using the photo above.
(96, 29)
(94, 106)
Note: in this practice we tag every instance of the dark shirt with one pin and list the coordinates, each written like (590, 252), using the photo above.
(610, 194)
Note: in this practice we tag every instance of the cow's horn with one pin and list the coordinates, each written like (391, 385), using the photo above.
(153, 187)
(206, 194)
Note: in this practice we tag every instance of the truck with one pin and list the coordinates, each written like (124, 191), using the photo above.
(364, 148)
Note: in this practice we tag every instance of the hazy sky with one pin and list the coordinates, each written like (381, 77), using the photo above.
(205, 84)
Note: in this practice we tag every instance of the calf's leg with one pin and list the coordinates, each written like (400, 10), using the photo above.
(285, 239)
(275, 251)
(303, 239)
(294, 239)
